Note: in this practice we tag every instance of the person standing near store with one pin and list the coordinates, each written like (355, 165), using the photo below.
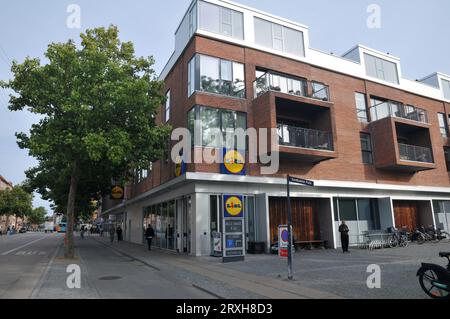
(149, 233)
(119, 233)
(112, 232)
(343, 229)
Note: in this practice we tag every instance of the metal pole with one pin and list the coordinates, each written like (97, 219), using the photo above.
(289, 231)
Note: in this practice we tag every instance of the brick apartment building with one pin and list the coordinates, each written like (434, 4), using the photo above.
(375, 143)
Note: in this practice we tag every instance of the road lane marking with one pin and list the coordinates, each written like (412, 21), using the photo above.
(37, 289)
(20, 247)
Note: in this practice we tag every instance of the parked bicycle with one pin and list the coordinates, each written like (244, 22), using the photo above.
(399, 238)
(435, 279)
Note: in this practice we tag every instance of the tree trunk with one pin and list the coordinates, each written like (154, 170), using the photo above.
(69, 245)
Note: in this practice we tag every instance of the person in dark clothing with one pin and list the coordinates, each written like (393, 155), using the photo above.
(119, 233)
(343, 229)
(149, 234)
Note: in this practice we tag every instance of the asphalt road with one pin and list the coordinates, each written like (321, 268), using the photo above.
(23, 260)
(32, 266)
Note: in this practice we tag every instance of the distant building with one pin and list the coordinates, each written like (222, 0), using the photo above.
(5, 221)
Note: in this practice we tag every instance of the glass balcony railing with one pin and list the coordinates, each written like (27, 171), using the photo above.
(289, 85)
(304, 138)
(415, 153)
(383, 109)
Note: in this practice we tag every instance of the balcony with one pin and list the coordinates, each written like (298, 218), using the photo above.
(402, 145)
(415, 153)
(305, 144)
(304, 138)
(381, 109)
(273, 82)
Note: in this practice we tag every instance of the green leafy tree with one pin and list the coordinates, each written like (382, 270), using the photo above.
(16, 201)
(98, 104)
(37, 216)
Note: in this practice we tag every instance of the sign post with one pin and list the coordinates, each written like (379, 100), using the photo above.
(233, 228)
(301, 182)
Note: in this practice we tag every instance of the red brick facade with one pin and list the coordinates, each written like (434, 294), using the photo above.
(345, 163)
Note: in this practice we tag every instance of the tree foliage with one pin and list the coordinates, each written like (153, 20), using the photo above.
(16, 201)
(37, 216)
(98, 104)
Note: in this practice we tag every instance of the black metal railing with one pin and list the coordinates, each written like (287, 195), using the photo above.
(383, 109)
(415, 153)
(304, 138)
(275, 82)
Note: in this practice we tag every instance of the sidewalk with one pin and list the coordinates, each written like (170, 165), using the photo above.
(219, 279)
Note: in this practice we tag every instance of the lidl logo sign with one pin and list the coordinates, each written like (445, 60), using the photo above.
(234, 206)
(117, 192)
(233, 162)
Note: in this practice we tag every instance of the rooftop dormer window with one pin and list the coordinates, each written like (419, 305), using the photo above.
(446, 88)
(278, 37)
(221, 20)
(381, 69)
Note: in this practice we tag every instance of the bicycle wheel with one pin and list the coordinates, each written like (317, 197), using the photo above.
(426, 280)
(404, 241)
(392, 242)
(420, 239)
(446, 235)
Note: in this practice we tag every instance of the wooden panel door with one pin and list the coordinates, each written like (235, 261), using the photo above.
(304, 218)
(406, 215)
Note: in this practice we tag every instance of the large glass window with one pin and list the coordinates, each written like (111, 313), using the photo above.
(214, 75)
(381, 69)
(442, 214)
(447, 157)
(277, 37)
(366, 148)
(361, 107)
(214, 122)
(446, 88)
(220, 20)
(443, 124)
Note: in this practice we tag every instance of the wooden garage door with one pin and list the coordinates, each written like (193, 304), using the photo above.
(304, 218)
(406, 215)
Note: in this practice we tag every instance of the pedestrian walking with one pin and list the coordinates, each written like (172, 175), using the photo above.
(119, 233)
(343, 229)
(112, 232)
(82, 230)
(149, 234)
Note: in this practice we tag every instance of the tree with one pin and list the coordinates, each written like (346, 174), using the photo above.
(37, 216)
(98, 104)
(16, 201)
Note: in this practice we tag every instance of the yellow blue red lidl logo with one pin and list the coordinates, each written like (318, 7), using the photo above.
(233, 206)
(233, 162)
(117, 192)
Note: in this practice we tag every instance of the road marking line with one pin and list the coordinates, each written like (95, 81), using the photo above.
(20, 247)
(37, 289)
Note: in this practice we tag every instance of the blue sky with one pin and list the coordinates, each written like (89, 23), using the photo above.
(414, 30)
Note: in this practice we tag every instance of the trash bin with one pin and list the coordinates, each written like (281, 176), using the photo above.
(256, 247)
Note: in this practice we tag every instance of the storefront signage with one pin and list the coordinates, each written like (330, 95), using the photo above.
(233, 162)
(117, 192)
(233, 226)
(233, 206)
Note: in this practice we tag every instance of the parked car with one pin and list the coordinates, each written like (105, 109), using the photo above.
(23, 230)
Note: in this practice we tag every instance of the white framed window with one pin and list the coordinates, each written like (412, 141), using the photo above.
(278, 37)
(446, 88)
(167, 107)
(221, 20)
(381, 69)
